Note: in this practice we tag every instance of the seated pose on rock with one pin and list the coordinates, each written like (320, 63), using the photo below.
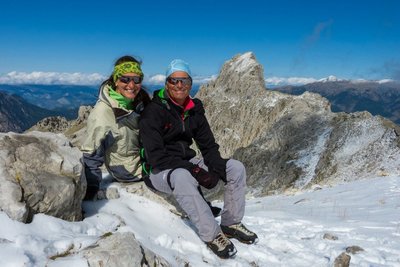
(167, 127)
(113, 127)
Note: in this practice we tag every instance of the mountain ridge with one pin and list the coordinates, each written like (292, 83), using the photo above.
(17, 115)
(349, 96)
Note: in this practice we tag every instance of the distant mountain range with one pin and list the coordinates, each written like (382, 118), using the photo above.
(54, 97)
(17, 115)
(350, 96)
(21, 106)
(61, 97)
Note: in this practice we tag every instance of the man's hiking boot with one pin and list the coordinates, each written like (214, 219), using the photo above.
(222, 246)
(240, 232)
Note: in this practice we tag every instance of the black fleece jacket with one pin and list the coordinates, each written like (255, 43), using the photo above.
(167, 131)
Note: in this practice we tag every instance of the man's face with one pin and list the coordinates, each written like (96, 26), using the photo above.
(178, 86)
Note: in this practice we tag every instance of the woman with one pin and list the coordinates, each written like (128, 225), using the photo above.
(168, 125)
(113, 127)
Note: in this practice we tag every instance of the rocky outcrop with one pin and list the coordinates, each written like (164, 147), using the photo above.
(119, 250)
(77, 131)
(74, 130)
(40, 173)
(288, 141)
(56, 124)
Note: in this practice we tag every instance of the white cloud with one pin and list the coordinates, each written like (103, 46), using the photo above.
(377, 81)
(159, 79)
(386, 81)
(204, 79)
(38, 77)
(279, 81)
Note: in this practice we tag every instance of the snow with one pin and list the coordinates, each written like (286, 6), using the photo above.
(363, 213)
(309, 158)
(243, 63)
(330, 78)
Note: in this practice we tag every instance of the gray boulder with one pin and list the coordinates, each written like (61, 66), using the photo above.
(40, 173)
(343, 260)
(120, 250)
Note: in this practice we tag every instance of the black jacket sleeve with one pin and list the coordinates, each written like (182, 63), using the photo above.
(206, 142)
(151, 127)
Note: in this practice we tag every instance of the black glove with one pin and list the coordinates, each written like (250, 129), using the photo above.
(207, 179)
(219, 168)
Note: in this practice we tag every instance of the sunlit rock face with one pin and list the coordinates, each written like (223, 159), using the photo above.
(40, 173)
(288, 141)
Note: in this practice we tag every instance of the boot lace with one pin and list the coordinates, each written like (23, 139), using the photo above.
(242, 228)
(221, 241)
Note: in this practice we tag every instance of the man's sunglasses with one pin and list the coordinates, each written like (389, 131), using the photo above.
(128, 79)
(185, 81)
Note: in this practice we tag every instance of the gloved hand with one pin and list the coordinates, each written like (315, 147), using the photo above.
(219, 168)
(207, 179)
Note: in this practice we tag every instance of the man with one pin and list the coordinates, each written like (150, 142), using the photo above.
(167, 127)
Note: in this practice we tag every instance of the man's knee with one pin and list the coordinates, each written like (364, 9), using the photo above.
(236, 170)
(183, 182)
(235, 166)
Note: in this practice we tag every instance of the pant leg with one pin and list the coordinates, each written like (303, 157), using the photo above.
(234, 195)
(187, 195)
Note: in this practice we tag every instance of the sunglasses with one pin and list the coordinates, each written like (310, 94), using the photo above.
(185, 81)
(128, 79)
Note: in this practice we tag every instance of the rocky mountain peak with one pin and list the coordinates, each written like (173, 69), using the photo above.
(240, 77)
(240, 109)
(288, 141)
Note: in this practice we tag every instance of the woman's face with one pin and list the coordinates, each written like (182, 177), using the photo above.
(128, 85)
(178, 86)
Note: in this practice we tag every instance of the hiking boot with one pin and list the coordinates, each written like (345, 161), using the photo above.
(240, 232)
(222, 246)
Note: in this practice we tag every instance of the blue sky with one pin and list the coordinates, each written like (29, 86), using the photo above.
(348, 39)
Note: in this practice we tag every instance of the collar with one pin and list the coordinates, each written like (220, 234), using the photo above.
(188, 105)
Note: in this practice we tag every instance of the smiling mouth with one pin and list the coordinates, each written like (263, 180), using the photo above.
(130, 90)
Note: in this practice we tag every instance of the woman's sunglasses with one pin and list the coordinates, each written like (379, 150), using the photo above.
(128, 79)
(185, 81)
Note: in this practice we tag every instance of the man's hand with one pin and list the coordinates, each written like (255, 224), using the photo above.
(207, 179)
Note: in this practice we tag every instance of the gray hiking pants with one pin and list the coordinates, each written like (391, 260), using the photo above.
(188, 196)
